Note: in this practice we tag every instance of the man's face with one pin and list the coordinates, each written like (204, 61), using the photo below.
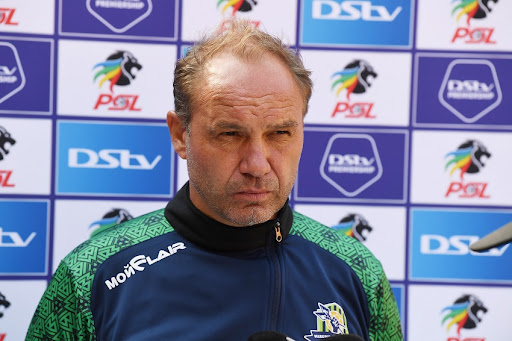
(244, 140)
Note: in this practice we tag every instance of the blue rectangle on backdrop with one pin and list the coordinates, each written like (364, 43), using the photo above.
(439, 247)
(463, 90)
(133, 18)
(341, 165)
(23, 237)
(114, 159)
(25, 76)
(356, 23)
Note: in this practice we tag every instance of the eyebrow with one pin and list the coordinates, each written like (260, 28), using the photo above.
(237, 126)
(283, 125)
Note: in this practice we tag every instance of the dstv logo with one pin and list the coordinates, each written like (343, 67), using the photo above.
(458, 245)
(469, 89)
(353, 10)
(106, 158)
(110, 159)
(358, 163)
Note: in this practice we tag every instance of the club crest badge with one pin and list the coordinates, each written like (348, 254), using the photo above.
(330, 319)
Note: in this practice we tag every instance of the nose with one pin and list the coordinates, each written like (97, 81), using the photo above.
(254, 159)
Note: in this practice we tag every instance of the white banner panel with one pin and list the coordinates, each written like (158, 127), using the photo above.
(464, 25)
(25, 156)
(458, 313)
(76, 220)
(359, 88)
(380, 229)
(276, 17)
(461, 168)
(113, 79)
(27, 16)
(18, 301)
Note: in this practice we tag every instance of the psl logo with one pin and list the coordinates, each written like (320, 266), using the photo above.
(113, 217)
(119, 69)
(355, 78)
(120, 15)
(4, 304)
(237, 6)
(331, 320)
(6, 142)
(473, 9)
(468, 158)
(355, 226)
(6, 15)
(464, 313)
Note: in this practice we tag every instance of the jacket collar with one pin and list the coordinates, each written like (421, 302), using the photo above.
(208, 233)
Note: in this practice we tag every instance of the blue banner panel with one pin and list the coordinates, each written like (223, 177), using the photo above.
(356, 23)
(24, 237)
(463, 90)
(141, 18)
(439, 246)
(399, 293)
(114, 159)
(338, 165)
(26, 69)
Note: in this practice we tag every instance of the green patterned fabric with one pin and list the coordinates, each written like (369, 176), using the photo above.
(384, 318)
(64, 312)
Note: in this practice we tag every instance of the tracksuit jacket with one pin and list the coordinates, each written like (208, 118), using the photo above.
(176, 274)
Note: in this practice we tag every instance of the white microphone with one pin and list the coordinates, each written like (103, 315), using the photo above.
(496, 238)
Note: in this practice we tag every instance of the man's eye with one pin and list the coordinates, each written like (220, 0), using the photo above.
(228, 133)
(282, 132)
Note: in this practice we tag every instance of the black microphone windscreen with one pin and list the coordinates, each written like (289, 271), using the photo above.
(268, 336)
(348, 337)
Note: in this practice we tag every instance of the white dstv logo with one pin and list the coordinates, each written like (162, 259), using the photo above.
(13, 239)
(433, 244)
(352, 10)
(110, 159)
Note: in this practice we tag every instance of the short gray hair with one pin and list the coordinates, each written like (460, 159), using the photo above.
(243, 40)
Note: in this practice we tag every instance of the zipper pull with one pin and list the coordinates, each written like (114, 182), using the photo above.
(277, 227)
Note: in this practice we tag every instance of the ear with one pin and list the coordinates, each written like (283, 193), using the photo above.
(178, 134)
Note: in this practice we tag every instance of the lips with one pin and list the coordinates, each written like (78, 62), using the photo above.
(252, 194)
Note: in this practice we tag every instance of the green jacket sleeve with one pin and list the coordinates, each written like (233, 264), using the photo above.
(62, 313)
(385, 320)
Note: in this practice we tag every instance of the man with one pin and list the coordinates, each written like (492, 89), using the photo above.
(227, 257)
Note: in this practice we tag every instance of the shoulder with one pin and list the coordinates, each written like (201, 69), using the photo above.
(115, 239)
(367, 267)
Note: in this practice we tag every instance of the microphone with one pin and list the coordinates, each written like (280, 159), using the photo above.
(275, 336)
(496, 238)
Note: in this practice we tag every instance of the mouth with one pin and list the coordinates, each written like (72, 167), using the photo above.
(252, 195)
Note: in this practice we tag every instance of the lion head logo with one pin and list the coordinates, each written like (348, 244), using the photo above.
(119, 69)
(4, 304)
(355, 226)
(113, 217)
(468, 158)
(238, 5)
(6, 142)
(477, 9)
(356, 78)
(464, 312)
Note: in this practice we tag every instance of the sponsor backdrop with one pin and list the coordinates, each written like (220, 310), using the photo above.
(407, 140)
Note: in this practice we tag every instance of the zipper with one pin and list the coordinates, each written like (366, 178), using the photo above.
(277, 227)
(277, 276)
